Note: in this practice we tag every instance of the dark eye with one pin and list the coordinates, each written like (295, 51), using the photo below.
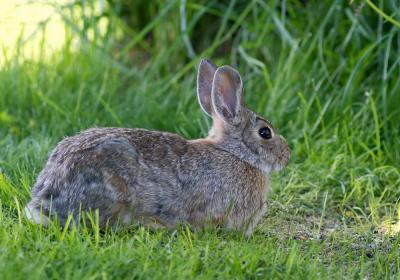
(265, 133)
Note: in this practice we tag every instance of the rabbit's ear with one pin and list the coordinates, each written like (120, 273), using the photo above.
(227, 94)
(205, 77)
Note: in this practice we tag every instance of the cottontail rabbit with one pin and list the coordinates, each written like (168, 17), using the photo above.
(159, 178)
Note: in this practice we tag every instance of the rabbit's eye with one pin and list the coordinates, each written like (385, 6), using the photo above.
(265, 133)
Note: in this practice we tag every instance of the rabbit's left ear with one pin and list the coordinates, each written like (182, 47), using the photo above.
(205, 77)
(227, 94)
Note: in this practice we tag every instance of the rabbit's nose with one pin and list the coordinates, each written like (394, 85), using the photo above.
(285, 151)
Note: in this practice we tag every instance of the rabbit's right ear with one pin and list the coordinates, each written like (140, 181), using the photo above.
(227, 94)
(205, 77)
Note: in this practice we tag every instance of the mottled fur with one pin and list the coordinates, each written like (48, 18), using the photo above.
(160, 179)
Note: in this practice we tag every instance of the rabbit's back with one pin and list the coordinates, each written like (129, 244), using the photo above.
(110, 169)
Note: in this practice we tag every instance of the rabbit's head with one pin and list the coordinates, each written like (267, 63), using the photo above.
(237, 129)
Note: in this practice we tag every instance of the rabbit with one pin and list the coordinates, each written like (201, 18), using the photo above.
(159, 179)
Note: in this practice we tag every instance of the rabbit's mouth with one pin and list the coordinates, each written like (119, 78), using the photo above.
(274, 162)
(278, 166)
(281, 162)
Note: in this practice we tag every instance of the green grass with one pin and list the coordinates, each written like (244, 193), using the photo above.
(327, 75)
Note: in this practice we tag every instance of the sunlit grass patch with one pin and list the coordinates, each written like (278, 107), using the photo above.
(22, 24)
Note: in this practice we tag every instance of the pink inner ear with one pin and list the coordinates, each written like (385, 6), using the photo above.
(228, 91)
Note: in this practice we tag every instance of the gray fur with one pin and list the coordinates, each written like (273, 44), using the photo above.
(160, 179)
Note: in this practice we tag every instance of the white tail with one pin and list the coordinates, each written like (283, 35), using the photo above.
(35, 215)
